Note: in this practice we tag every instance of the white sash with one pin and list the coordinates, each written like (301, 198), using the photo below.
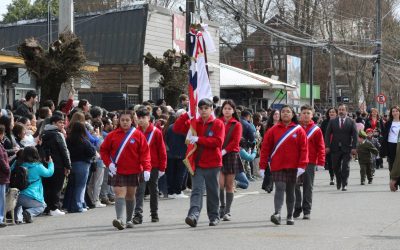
(123, 145)
(151, 136)
(283, 139)
(312, 131)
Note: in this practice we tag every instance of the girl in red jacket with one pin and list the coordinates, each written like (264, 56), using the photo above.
(285, 149)
(230, 157)
(127, 155)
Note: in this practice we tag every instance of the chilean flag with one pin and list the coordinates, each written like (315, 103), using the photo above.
(199, 84)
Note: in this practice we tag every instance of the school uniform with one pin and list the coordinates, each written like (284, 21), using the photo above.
(316, 157)
(208, 164)
(285, 149)
(158, 155)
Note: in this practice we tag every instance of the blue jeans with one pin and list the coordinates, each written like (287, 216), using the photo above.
(74, 198)
(2, 201)
(34, 207)
(175, 175)
(241, 180)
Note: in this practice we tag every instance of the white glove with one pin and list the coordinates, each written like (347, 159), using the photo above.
(193, 139)
(160, 174)
(112, 169)
(146, 175)
(223, 152)
(262, 173)
(300, 171)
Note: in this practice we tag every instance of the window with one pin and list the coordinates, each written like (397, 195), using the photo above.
(156, 93)
(251, 53)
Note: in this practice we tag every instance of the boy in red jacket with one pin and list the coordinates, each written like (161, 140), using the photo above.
(158, 155)
(208, 155)
(316, 157)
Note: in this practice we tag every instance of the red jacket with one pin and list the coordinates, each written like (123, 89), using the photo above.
(233, 144)
(293, 153)
(212, 143)
(316, 146)
(135, 157)
(158, 153)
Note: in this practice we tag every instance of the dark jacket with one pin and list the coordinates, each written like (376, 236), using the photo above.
(23, 110)
(176, 147)
(248, 131)
(54, 143)
(4, 167)
(379, 125)
(366, 152)
(8, 145)
(81, 150)
(385, 138)
(343, 139)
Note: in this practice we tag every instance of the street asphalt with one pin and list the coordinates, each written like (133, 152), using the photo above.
(364, 217)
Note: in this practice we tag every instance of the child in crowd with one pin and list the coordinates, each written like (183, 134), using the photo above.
(366, 152)
(4, 176)
(375, 141)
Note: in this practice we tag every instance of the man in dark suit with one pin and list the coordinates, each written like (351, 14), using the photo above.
(341, 142)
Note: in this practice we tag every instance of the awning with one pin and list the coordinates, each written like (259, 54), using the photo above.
(232, 77)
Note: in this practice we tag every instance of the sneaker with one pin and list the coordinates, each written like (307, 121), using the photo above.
(2, 224)
(306, 217)
(56, 212)
(191, 221)
(27, 216)
(129, 224)
(276, 219)
(172, 196)
(290, 221)
(118, 224)
(370, 182)
(137, 219)
(107, 202)
(154, 218)
(227, 217)
(362, 183)
(214, 222)
(181, 196)
(297, 212)
(84, 210)
(98, 204)
(331, 183)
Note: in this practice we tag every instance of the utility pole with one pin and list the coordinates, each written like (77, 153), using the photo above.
(378, 42)
(311, 76)
(49, 29)
(66, 23)
(332, 62)
(190, 9)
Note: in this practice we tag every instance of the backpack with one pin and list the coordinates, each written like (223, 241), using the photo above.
(19, 178)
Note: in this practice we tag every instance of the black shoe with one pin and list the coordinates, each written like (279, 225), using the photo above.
(276, 219)
(191, 221)
(297, 212)
(306, 217)
(213, 222)
(154, 218)
(27, 216)
(332, 183)
(137, 219)
(118, 224)
(344, 188)
(290, 221)
(370, 182)
(2, 224)
(363, 183)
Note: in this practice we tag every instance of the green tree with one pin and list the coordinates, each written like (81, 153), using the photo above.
(24, 10)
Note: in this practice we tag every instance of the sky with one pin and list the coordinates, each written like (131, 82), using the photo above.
(3, 7)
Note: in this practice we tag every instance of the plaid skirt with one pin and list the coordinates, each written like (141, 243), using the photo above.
(231, 163)
(130, 180)
(285, 175)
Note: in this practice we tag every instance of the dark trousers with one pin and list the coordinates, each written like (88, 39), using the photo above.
(366, 170)
(175, 175)
(52, 189)
(304, 203)
(340, 164)
(391, 154)
(328, 166)
(153, 188)
(210, 177)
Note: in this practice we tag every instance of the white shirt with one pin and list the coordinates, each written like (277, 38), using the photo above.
(394, 132)
(340, 121)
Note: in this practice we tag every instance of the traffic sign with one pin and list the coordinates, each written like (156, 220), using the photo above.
(381, 98)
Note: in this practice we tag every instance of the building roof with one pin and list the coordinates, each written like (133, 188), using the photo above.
(232, 77)
(109, 37)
